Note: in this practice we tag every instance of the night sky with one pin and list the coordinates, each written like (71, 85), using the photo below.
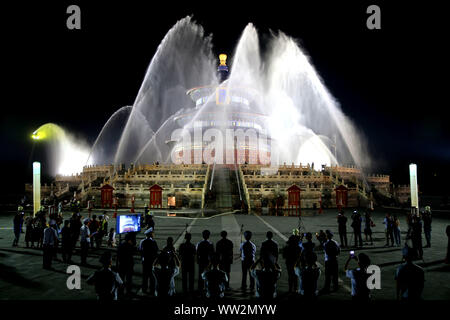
(391, 82)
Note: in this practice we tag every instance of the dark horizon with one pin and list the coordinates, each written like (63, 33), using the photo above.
(384, 79)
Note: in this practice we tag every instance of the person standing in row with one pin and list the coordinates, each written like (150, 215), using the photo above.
(149, 251)
(66, 242)
(269, 247)
(248, 253)
(342, 227)
(332, 251)
(125, 257)
(368, 224)
(426, 217)
(389, 229)
(291, 254)
(187, 254)
(224, 249)
(205, 249)
(356, 225)
(17, 224)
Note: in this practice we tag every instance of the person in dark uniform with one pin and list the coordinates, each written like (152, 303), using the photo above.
(75, 228)
(416, 236)
(205, 249)
(368, 223)
(342, 228)
(427, 227)
(224, 249)
(125, 257)
(17, 223)
(29, 233)
(248, 253)
(149, 222)
(105, 280)
(149, 251)
(356, 225)
(187, 254)
(66, 242)
(291, 254)
(332, 250)
(269, 247)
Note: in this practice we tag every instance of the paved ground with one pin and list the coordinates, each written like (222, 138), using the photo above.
(22, 276)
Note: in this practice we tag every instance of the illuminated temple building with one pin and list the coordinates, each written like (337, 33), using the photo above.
(245, 181)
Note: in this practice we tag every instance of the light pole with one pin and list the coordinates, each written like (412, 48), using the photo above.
(36, 187)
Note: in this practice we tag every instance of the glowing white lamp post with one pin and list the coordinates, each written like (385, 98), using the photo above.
(36, 187)
(413, 185)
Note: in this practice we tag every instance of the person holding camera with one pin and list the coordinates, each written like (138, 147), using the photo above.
(308, 275)
(358, 276)
(215, 279)
(105, 280)
(165, 268)
(266, 276)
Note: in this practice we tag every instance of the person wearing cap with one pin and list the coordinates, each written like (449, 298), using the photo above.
(224, 249)
(358, 277)
(85, 239)
(410, 278)
(269, 247)
(332, 251)
(187, 252)
(105, 280)
(49, 243)
(149, 251)
(248, 253)
(205, 249)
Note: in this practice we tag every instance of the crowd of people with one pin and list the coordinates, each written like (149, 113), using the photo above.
(260, 273)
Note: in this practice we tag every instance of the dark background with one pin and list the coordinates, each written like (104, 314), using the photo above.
(391, 82)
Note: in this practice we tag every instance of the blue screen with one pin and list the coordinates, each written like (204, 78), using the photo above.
(128, 223)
